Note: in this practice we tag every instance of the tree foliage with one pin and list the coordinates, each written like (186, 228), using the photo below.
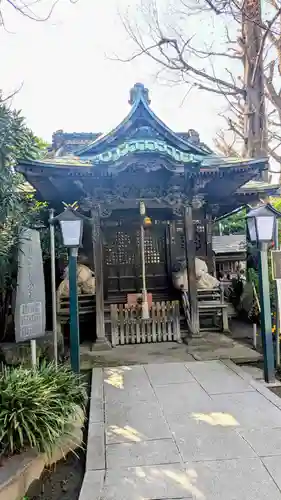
(234, 224)
(18, 208)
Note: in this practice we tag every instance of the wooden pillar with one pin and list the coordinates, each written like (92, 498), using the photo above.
(101, 341)
(172, 243)
(190, 259)
(209, 244)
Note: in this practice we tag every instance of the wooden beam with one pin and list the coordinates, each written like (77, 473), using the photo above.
(190, 253)
(101, 341)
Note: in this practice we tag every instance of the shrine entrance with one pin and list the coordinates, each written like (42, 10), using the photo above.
(122, 257)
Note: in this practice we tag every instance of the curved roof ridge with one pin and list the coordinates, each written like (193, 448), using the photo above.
(140, 98)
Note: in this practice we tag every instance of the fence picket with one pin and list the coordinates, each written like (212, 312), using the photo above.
(126, 321)
(143, 331)
(114, 325)
(128, 327)
(163, 321)
(153, 326)
(121, 323)
(132, 328)
(169, 317)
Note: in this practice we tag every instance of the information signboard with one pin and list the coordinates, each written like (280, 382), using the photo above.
(276, 264)
(30, 316)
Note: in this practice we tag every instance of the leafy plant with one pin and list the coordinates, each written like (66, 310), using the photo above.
(37, 407)
(18, 207)
(234, 224)
(60, 249)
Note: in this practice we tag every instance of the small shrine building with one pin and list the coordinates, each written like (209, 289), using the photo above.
(182, 182)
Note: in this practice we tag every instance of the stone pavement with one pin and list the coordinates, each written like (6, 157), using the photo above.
(211, 346)
(201, 430)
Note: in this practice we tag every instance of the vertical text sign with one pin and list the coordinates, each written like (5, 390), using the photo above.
(30, 316)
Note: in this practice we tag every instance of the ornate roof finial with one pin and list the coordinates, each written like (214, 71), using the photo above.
(193, 136)
(138, 91)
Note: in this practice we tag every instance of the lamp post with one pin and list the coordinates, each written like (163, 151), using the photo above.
(71, 225)
(261, 223)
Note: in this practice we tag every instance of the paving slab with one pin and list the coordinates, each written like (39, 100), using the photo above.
(132, 431)
(118, 395)
(135, 422)
(207, 367)
(97, 384)
(251, 409)
(97, 397)
(151, 482)
(92, 485)
(273, 465)
(198, 440)
(265, 442)
(237, 479)
(173, 373)
(215, 382)
(126, 384)
(120, 412)
(154, 452)
(95, 459)
(199, 430)
(183, 398)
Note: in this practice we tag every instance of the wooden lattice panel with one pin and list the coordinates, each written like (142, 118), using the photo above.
(120, 251)
(128, 327)
(154, 248)
(122, 258)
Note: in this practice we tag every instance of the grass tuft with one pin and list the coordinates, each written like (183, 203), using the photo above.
(37, 407)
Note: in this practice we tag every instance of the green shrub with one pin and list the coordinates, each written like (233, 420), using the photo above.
(37, 407)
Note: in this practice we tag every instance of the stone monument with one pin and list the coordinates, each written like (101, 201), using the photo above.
(30, 314)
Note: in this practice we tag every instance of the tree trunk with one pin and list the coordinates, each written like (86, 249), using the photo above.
(255, 122)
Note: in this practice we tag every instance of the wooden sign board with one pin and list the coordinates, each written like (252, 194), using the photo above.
(30, 315)
(276, 264)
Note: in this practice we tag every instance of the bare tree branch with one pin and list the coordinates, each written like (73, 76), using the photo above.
(256, 44)
(26, 9)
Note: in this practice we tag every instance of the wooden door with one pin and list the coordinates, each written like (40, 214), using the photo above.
(155, 257)
(122, 259)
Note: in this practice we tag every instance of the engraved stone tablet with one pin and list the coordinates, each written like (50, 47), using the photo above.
(30, 316)
(276, 264)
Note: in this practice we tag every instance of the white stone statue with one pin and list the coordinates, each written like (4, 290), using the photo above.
(86, 283)
(205, 281)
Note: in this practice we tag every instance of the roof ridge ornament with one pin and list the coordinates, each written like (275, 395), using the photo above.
(193, 136)
(139, 92)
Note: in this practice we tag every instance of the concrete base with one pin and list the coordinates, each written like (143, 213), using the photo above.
(102, 344)
(212, 346)
(198, 335)
(257, 374)
(274, 383)
(218, 346)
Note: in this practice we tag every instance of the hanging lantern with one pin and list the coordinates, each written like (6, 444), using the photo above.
(142, 208)
(147, 222)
